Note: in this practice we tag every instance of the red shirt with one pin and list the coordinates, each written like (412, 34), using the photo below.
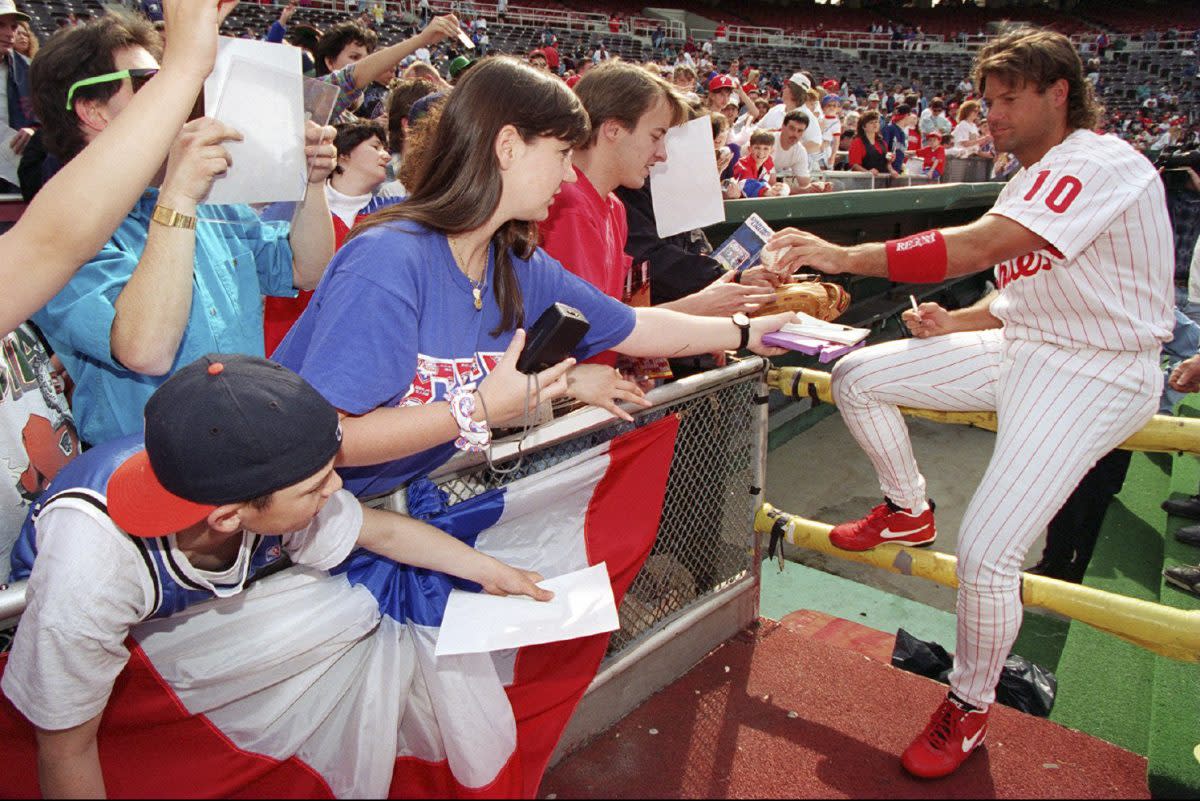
(934, 157)
(587, 234)
(280, 314)
(747, 167)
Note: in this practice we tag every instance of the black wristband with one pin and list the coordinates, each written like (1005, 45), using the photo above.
(737, 276)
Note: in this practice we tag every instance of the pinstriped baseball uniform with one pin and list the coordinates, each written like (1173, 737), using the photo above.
(1073, 372)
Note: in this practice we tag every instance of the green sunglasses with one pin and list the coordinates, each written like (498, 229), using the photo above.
(137, 77)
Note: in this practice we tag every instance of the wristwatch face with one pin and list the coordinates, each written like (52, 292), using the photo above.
(740, 319)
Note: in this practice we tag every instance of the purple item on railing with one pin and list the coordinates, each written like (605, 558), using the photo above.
(823, 349)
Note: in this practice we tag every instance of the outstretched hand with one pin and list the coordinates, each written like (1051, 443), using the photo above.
(508, 580)
(794, 249)
(603, 386)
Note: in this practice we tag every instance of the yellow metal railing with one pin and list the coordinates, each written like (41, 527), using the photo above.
(1162, 434)
(1165, 630)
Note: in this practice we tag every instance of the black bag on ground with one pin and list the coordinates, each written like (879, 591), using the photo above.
(1023, 685)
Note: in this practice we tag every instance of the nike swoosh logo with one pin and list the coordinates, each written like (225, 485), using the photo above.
(970, 742)
(888, 534)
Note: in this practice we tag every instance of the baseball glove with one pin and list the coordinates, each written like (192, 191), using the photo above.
(817, 298)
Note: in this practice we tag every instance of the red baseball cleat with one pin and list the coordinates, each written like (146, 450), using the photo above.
(887, 522)
(955, 730)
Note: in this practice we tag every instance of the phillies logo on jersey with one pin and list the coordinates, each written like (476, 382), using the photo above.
(1028, 265)
(435, 376)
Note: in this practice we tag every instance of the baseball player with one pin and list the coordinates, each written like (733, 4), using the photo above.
(1083, 255)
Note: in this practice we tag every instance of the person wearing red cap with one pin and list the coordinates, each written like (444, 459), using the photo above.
(233, 478)
(721, 89)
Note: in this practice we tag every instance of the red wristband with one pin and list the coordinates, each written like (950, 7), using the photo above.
(917, 259)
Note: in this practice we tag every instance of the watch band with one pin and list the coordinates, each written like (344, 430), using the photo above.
(745, 330)
(172, 219)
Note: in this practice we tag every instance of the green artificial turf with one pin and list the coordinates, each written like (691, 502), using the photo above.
(1175, 707)
(1106, 684)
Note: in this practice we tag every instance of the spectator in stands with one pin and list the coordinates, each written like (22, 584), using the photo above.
(868, 151)
(935, 119)
(404, 93)
(37, 434)
(352, 192)
(25, 40)
(792, 165)
(14, 76)
(797, 94)
(138, 141)
(262, 491)
(831, 129)
(166, 288)
(419, 70)
(657, 37)
(684, 79)
(755, 172)
(538, 60)
(933, 156)
(895, 134)
(720, 92)
(347, 58)
(966, 138)
(553, 60)
(630, 112)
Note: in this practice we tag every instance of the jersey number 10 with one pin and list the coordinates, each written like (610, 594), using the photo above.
(1060, 198)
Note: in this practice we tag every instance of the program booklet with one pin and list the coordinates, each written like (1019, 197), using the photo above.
(742, 249)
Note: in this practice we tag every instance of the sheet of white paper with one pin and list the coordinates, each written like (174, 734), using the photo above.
(257, 88)
(686, 187)
(476, 622)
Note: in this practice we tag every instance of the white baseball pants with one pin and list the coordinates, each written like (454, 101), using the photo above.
(1058, 411)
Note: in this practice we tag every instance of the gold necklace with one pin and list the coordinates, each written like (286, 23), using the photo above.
(476, 286)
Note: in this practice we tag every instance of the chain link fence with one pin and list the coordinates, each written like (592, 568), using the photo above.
(705, 538)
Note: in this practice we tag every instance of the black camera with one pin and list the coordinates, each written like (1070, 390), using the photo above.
(552, 338)
(1172, 163)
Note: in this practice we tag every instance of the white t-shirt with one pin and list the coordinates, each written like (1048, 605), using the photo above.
(793, 161)
(831, 137)
(963, 132)
(812, 134)
(773, 119)
(1105, 280)
(89, 587)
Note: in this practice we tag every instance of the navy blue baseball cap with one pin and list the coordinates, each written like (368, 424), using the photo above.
(226, 428)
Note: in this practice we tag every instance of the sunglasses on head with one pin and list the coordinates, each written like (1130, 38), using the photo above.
(137, 77)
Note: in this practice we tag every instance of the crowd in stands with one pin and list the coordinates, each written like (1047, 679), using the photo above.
(443, 198)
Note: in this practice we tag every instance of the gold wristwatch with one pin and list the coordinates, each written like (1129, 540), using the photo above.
(172, 219)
